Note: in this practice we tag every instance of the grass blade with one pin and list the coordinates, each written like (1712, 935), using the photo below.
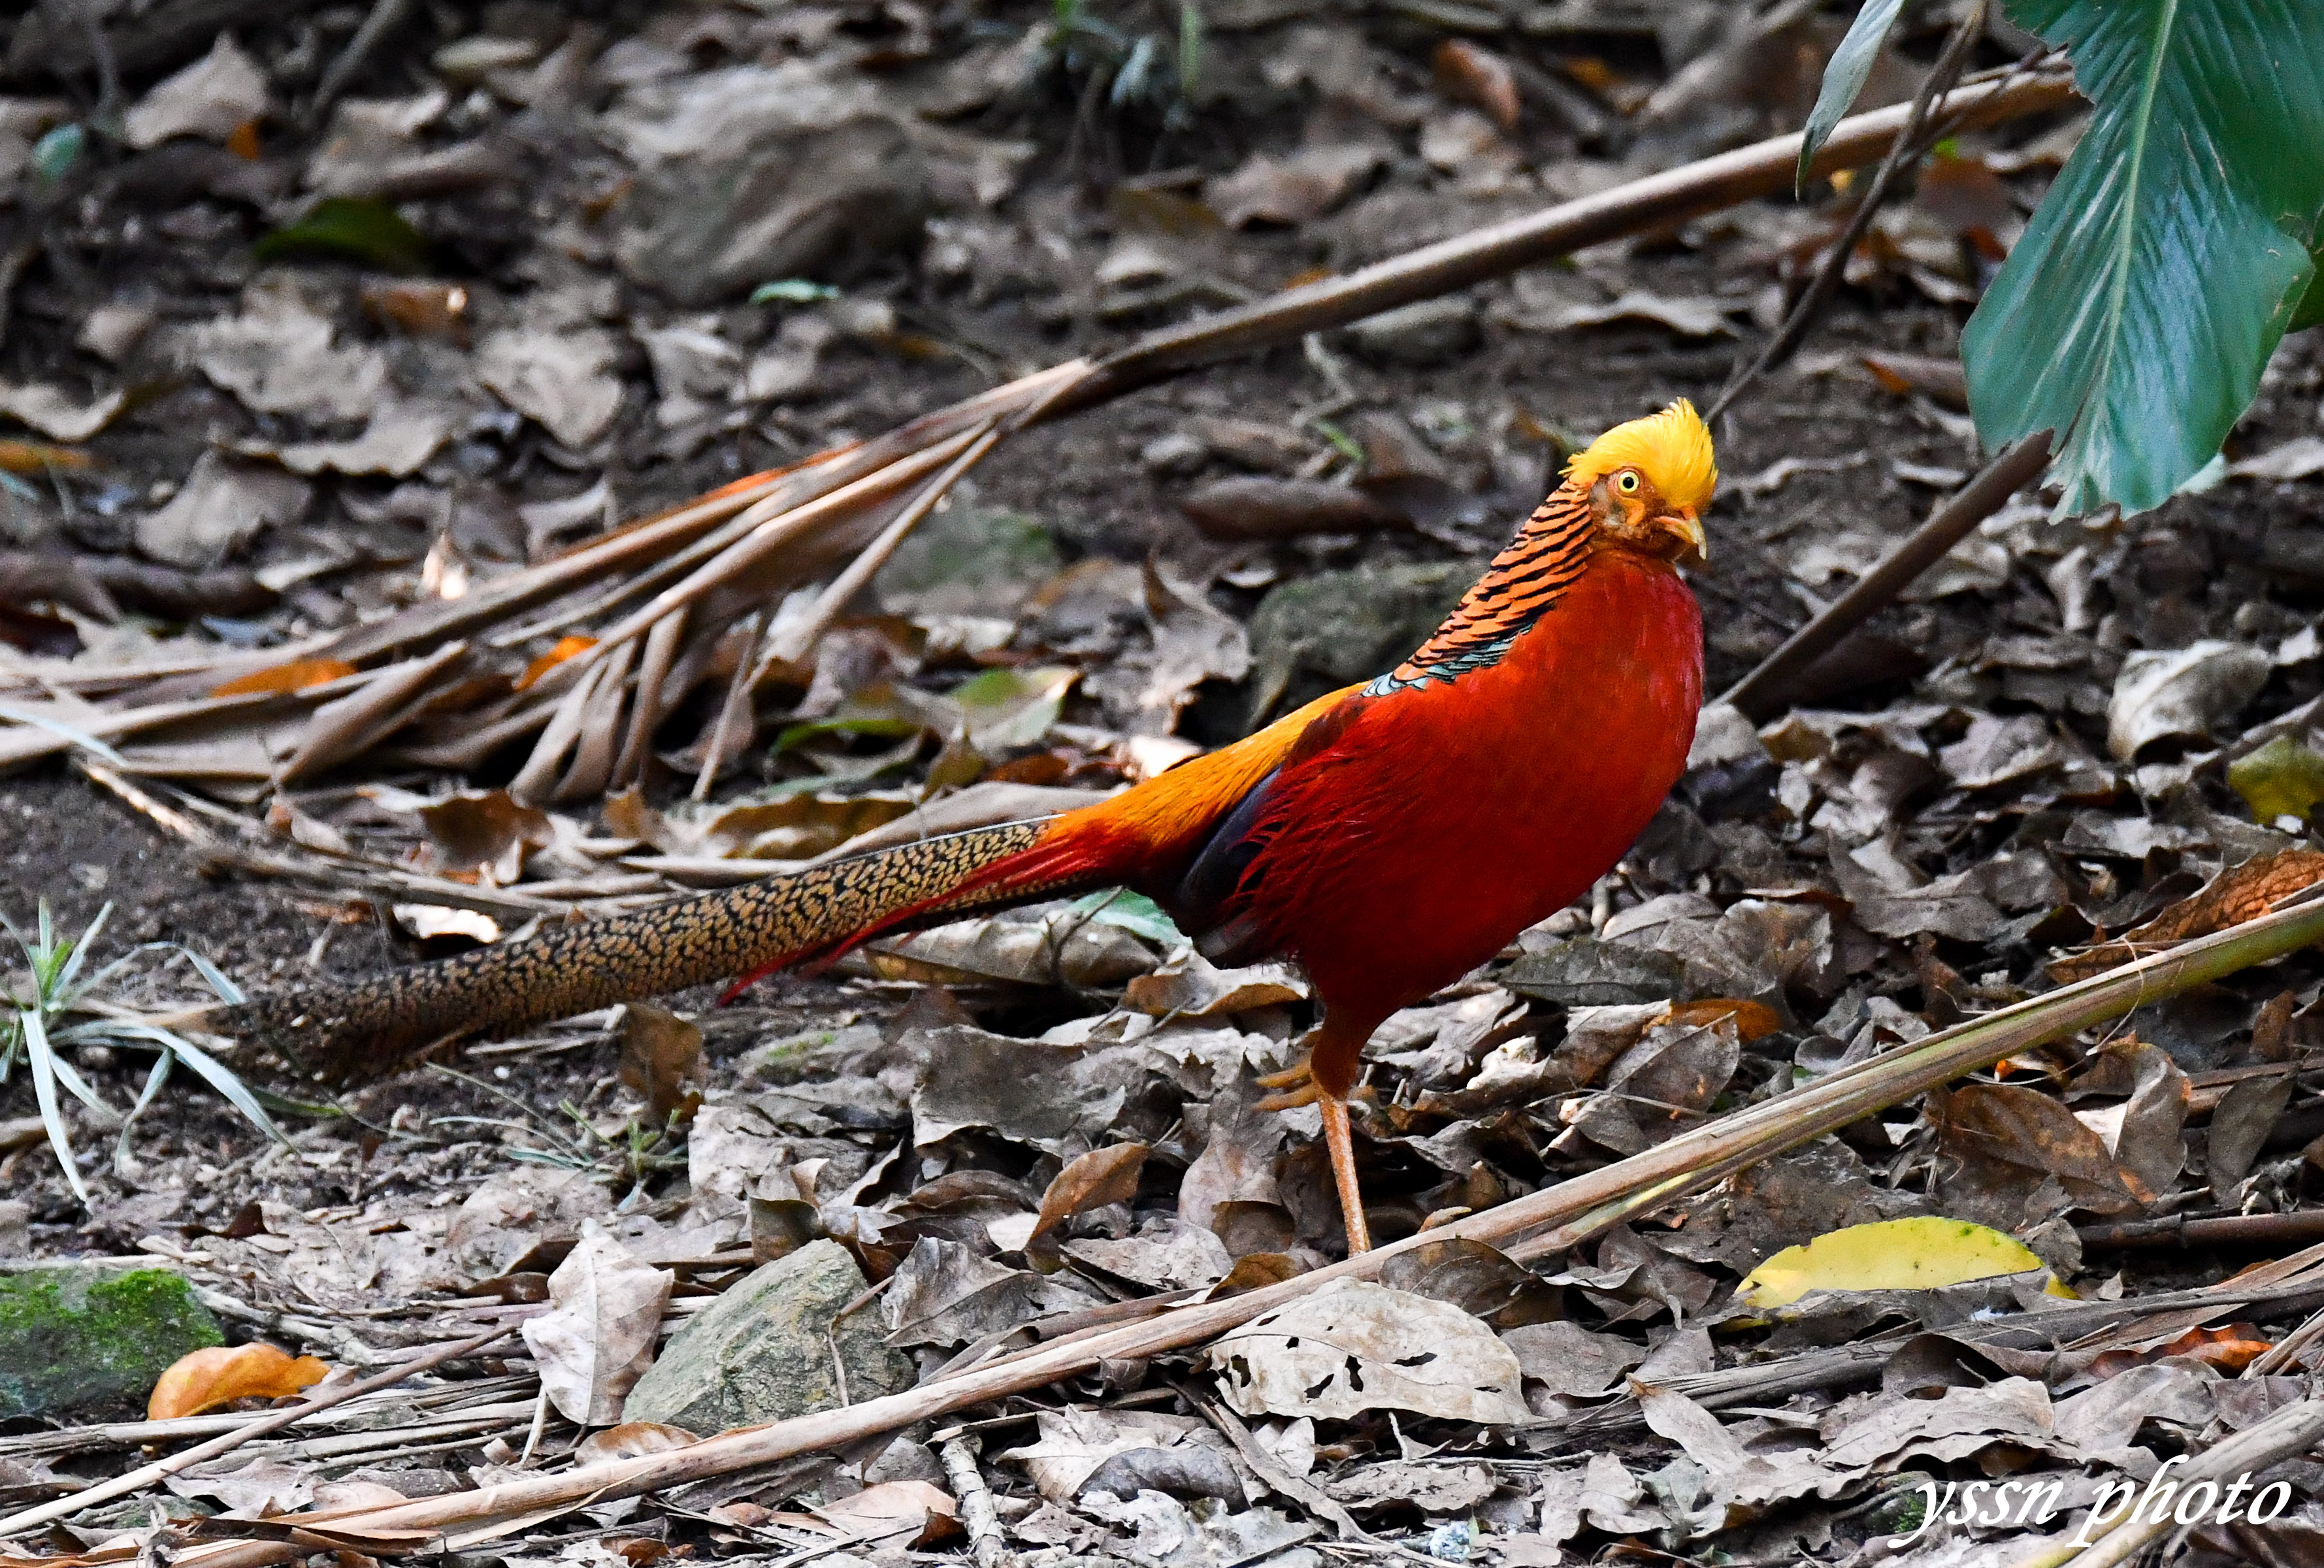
(61, 993)
(43, 1062)
(214, 977)
(85, 741)
(153, 1082)
(213, 1072)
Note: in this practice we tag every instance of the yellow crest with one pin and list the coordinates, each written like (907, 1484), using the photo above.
(1671, 448)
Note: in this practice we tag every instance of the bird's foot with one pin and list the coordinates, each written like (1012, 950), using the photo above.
(1296, 1086)
(1293, 1086)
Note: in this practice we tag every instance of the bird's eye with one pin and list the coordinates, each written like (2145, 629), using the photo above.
(1628, 483)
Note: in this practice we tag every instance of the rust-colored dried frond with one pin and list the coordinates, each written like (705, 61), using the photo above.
(1671, 448)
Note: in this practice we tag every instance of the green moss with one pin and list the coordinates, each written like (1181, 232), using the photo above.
(91, 1342)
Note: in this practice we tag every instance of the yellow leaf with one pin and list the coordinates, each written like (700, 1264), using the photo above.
(1917, 1254)
(2282, 778)
(206, 1380)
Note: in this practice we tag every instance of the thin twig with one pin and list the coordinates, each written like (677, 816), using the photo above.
(226, 1442)
(731, 711)
(798, 641)
(2289, 1351)
(1291, 1488)
(1656, 200)
(1909, 145)
(386, 16)
(1759, 696)
(540, 1426)
(986, 1544)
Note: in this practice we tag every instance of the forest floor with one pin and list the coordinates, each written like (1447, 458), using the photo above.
(2029, 753)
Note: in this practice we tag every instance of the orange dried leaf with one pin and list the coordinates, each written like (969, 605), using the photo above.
(296, 676)
(1592, 72)
(2230, 1349)
(566, 647)
(1478, 78)
(206, 1380)
(39, 456)
(1888, 378)
(1752, 1018)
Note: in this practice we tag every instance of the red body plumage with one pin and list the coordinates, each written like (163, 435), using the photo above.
(1441, 820)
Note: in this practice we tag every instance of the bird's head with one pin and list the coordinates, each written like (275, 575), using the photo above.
(1650, 481)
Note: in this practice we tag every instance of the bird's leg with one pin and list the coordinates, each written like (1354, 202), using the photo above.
(1324, 1078)
(1341, 1144)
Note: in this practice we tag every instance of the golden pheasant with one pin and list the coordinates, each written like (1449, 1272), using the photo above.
(1389, 838)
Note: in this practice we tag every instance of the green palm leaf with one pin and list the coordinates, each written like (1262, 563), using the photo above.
(2164, 265)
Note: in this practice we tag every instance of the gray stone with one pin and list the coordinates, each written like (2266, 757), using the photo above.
(91, 1342)
(1324, 631)
(823, 203)
(763, 1352)
(1425, 332)
(1174, 455)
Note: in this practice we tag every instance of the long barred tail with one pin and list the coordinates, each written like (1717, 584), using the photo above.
(367, 1029)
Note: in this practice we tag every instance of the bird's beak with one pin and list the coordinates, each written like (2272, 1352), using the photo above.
(1689, 527)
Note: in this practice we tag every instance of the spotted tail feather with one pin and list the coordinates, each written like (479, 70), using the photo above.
(364, 1028)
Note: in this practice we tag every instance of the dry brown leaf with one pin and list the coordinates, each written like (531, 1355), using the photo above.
(1191, 987)
(1074, 1443)
(661, 1059)
(296, 676)
(486, 829)
(908, 1513)
(1478, 78)
(630, 1440)
(2240, 893)
(1355, 1346)
(598, 1337)
(1306, 185)
(2180, 693)
(419, 310)
(208, 1379)
(800, 827)
(1101, 1176)
(2002, 1139)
